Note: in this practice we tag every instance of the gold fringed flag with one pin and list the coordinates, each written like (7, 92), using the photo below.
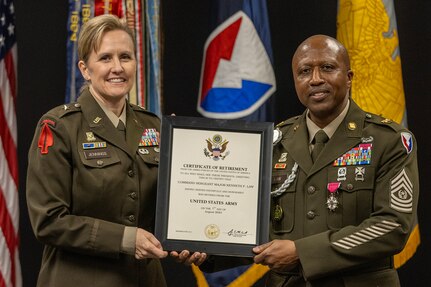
(240, 276)
(368, 29)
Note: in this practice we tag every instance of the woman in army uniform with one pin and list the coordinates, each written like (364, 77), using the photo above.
(91, 183)
(345, 182)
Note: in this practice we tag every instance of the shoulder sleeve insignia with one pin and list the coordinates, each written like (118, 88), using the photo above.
(46, 138)
(407, 140)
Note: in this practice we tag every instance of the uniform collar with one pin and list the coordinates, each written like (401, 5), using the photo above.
(111, 116)
(330, 128)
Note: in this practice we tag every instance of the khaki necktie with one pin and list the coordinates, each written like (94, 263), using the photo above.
(121, 128)
(320, 139)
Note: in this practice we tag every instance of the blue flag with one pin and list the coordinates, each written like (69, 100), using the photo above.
(237, 77)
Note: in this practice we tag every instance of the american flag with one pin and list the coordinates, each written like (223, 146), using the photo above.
(10, 271)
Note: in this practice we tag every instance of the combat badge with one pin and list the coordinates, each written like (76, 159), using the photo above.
(332, 200)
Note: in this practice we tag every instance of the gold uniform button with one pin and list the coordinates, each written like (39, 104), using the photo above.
(100, 162)
(132, 195)
(349, 186)
(131, 173)
(131, 218)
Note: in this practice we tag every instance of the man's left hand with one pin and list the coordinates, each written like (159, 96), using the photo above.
(277, 254)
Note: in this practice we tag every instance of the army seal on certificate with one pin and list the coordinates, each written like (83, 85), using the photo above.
(212, 231)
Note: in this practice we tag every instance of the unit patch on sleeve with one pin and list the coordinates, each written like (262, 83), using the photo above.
(402, 193)
(46, 139)
(407, 140)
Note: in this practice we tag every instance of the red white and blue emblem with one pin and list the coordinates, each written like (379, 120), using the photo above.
(237, 76)
(407, 140)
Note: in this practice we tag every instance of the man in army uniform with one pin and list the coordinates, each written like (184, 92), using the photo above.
(345, 182)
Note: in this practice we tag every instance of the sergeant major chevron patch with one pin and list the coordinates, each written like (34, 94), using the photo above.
(402, 193)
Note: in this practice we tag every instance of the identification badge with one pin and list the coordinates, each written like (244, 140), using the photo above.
(97, 153)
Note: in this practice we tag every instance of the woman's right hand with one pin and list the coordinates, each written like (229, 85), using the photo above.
(147, 246)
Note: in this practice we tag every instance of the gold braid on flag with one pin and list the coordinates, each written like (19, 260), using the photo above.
(248, 278)
(367, 28)
(363, 26)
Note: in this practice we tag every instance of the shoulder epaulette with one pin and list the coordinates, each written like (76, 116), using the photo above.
(65, 109)
(141, 109)
(287, 122)
(381, 121)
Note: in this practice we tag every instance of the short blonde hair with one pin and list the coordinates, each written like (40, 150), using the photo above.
(92, 32)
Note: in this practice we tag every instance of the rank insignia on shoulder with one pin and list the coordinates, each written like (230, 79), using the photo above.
(46, 139)
(280, 166)
(93, 145)
(386, 121)
(149, 138)
(407, 140)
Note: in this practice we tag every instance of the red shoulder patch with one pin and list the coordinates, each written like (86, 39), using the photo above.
(46, 138)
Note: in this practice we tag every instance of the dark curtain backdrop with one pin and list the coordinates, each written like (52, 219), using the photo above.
(41, 33)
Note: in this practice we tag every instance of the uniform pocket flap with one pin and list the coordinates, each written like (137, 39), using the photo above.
(150, 155)
(99, 158)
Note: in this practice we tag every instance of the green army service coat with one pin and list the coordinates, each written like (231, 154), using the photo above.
(350, 211)
(85, 183)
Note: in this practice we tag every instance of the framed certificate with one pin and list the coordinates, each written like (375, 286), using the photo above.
(214, 185)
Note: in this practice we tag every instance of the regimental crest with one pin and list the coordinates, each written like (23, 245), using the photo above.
(216, 147)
